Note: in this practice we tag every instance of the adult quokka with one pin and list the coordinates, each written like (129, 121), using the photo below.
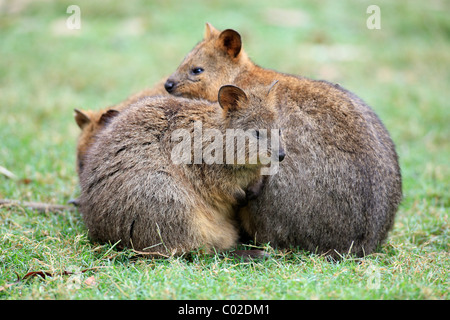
(339, 188)
(140, 188)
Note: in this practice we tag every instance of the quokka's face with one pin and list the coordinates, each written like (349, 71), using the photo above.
(253, 124)
(211, 64)
(200, 75)
(255, 146)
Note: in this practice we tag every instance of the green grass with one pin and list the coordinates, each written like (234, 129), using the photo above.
(46, 71)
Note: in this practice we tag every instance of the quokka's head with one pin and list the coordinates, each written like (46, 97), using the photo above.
(90, 123)
(252, 132)
(211, 64)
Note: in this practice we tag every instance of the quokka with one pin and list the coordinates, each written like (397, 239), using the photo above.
(340, 186)
(133, 190)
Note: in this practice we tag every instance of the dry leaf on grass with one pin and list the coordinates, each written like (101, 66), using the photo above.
(90, 281)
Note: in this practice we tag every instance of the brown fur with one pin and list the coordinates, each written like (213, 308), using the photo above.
(157, 90)
(340, 185)
(92, 121)
(132, 192)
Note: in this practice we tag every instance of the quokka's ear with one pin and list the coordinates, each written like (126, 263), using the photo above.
(107, 116)
(81, 118)
(209, 31)
(230, 40)
(232, 98)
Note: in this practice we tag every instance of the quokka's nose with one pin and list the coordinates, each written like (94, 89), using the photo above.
(281, 155)
(169, 85)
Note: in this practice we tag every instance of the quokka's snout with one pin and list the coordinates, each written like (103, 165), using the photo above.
(170, 85)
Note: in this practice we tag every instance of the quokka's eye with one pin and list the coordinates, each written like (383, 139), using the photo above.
(197, 70)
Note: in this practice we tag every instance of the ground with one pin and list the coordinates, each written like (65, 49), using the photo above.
(48, 69)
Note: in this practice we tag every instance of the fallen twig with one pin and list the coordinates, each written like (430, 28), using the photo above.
(150, 253)
(38, 206)
(7, 173)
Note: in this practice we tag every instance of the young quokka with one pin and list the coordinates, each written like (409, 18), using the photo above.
(144, 186)
(339, 188)
(90, 122)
